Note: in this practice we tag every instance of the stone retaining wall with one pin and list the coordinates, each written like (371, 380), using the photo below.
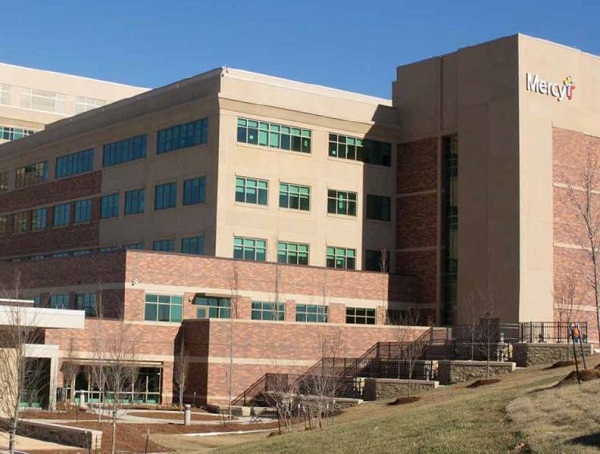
(64, 435)
(390, 388)
(527, 355)
(460, 371)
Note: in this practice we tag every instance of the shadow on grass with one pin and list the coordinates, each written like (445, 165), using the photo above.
(587, 440)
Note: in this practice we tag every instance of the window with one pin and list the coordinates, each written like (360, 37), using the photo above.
(83, 104)
(83, 211)
(124, 150)
(164, 245)
(194, 191)
(193, 245)
(62, 215)
(134, 201)
(292, 253)
(341, 202)
(378, 207)
(37, 301)
(360, 316)
(249, 249)
(339, 257)
(163, 308)
(46, 101)
(182, 136)
(10, 133)
(59, 301)
(268, 311)
(365, 150)
(81, 252)
(165, 196)
(31, 174)
(250, 190)
(4, 181)
(87, 302)
(133, 246)
(373, 261)
(5, 94)
(311, 313)
(294, 196)
(211, 307)
(109, 206)
(21, 222)
(273, 135)
(3, 224)
(38, 219)
(72, 164)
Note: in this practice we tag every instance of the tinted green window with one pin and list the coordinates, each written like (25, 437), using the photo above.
(163, 308)
(378, 207)
(194, 191)
(365, 150)
(311, 313)
(249, 249)
(182, 136)
(212, 307)
(292, 253)
(164, 245)
(250, 190)
(294, 196)
(193, 245)
(341, 202)
(360, 316)
(273, 135)
(268, 311)
(339, 257)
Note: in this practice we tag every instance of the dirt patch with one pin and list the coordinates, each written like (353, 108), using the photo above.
(174, 415)
(561, 364)
(584, 375)
(405, 400)
(484, 382)
(59, 415)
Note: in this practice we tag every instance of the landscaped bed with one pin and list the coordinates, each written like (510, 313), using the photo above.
(175, 415)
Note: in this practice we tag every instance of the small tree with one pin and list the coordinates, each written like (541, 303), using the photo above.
(181, 369)
(568, 298)
(411, 346)
(70, 369)
(20, 375)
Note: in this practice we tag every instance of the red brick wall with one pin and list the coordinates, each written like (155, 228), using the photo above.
(417, 217)
(571, 263)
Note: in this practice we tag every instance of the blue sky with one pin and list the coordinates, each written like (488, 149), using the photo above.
(351, 45)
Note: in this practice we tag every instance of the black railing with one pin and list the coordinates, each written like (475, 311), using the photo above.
(551, 332)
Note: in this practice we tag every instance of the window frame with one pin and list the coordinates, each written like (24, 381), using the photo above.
(340, 253)
(249, 251)
(311, 313)
(261, 311)
(342, 203)
(172, 307)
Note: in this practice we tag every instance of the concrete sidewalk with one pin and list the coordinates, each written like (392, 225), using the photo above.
(30, 444)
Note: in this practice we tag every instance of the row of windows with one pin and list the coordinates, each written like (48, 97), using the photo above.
(285, 137)
(37, 220)
(74, 163)
(169, 308)
(165, 196)
(296, 197)
(10, 133)
(182, 136)
(83, 301)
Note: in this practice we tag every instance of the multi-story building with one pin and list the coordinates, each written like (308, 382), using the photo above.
(455, 192)
(32, 98)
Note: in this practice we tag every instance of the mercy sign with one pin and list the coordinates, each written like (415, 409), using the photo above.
(543, 87)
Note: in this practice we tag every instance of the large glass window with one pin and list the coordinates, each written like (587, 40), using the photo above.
(163, 308)
(375, 260)
(87, 302)
(164, 245)
(109, 207)
(268, 311)
(292, 253)
(249, 249)
(83, 104)
(10, 133)
(311, 313)
(59, 301)
(193, 245)
(212, 307)
(38, 219)
(273, 135)
(5, 90)
(134, 201)
(379, 207)
(182, 136)
(360, 316)
(72, 164)
(21, 223)
(31, 174)
(365, 150)
(251, 190)
(83, 211)
(294, 196)
(62, 215)
(46, 101)
(124, 150)
(194, 191)
(165, 196)
(341, 202)
(340, 257)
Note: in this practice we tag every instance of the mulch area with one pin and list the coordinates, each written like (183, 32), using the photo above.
(484, 382)
(81, 415)
(405, 400)
(174, 415)
(584, 375)
(561, 364)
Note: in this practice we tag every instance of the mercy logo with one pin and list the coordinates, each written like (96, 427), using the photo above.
(543, 87)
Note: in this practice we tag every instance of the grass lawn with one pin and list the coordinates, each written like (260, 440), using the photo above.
(509, 416)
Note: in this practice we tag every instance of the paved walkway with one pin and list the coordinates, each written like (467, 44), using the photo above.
(29, 444)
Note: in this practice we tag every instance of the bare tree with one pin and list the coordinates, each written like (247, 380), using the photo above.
(181, 368)
(231, 337)
(411, 346)
(70, 369)
(584, 198)
(20, 374)
(568, 299)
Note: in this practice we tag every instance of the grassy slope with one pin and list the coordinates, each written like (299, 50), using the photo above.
(450, 420)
